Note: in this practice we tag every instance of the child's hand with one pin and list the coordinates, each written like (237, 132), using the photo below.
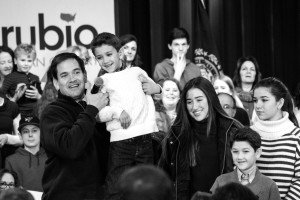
(19, 92)
(149, 87)
(32, 93)
(125, 119)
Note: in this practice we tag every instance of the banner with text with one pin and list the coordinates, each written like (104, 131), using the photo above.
(53, 25)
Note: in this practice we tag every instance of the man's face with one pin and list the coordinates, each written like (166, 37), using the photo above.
(227, 104)
(179, 47)
(70, 79)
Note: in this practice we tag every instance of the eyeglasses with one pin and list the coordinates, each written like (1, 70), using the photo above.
(4, 185)
(227, 107)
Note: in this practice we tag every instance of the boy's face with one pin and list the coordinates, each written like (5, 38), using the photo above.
(244, 156)
(31, 135)
(108, 58)
(24, 62)
(179, 47)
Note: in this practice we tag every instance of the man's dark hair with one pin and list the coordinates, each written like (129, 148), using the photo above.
(178, 33)
(145, 182)
(246, 134)
(52, 72)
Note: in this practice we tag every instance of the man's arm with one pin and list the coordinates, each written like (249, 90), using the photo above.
(66, 137)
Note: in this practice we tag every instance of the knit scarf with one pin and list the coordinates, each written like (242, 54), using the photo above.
(273, 129)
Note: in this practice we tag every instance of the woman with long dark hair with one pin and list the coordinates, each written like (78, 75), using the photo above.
(279, 130)
(197, 151)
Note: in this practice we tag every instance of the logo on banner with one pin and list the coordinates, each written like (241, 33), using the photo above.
(208, 64)
(67, 17)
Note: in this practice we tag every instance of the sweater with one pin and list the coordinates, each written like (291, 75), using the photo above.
(29, 168)
(10, 83)
(165, 69)
(280, 158)
(262, 186)
(69, 137)
(127, 94)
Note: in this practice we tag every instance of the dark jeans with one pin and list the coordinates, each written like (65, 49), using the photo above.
(125, 154)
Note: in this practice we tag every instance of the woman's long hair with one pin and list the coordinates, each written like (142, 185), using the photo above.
(129, 38)
(279, 90)
(183, 119)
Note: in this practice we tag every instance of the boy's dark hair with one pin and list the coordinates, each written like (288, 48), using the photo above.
(234, 191)
(107, 39)
(145, 182)
(178, 33)
(246, 134)
(52, 71)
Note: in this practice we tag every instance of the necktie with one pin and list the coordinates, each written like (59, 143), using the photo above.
(82, 103)
(245, 179)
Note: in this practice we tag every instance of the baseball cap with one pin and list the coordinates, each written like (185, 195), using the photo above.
(32, 120)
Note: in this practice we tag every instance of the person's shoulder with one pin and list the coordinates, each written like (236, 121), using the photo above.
(164, 63)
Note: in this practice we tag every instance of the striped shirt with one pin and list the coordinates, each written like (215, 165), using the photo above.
(280, 158)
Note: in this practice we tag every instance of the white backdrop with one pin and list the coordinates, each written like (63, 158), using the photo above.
(53, 25)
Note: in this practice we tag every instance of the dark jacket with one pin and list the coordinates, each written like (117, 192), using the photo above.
(29, 168)
(179, 171)
(69, 137)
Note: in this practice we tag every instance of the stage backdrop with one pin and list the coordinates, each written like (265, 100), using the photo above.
(53, 25)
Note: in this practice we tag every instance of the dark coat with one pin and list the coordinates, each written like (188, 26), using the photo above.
(179, 171)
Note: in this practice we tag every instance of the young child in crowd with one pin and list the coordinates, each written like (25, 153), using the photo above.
(133, 118)
(30, 90)
(29, 162)
(245, 148)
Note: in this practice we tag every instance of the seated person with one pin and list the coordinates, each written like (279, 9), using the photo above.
(8, 179)
(245, 148)
(29, 162)
(145, 182)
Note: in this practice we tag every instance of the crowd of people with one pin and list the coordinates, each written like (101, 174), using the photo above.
(101, 128)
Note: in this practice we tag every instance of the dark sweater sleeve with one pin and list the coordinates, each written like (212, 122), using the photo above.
(64, 136)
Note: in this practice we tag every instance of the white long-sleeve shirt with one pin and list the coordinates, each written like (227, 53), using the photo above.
(126, 93)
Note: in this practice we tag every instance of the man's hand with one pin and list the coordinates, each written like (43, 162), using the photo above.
(32, 93)
(149, 87)
(99, 100)
(179, 66)
(125, 119)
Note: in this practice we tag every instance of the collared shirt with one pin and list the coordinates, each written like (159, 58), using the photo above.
(251, 173)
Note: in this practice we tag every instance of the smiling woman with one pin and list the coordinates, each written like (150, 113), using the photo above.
(6, 62)
(200, 120)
